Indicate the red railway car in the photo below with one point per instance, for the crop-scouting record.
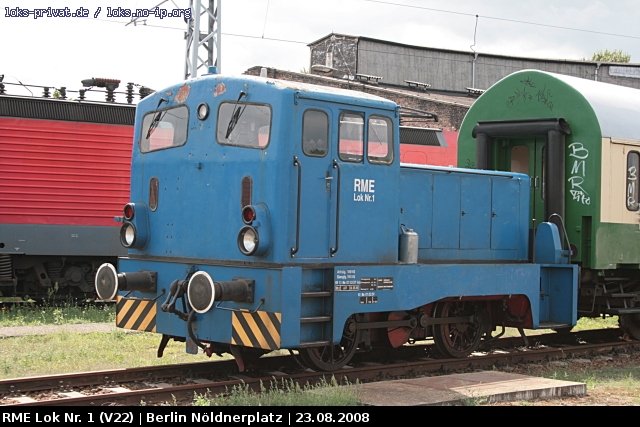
(64, 176)
(426, 146)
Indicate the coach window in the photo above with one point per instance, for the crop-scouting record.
(244, 125)
(520, 159)
(164, 129)
(351, 138)
(632, 193)
(315, 133)
(379, 140)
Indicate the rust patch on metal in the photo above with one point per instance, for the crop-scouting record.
(219, 89)
(183, 93)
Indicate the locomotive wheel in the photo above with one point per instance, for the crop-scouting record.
(333, 357)
(457, 340)
(303, 359)
(630, 323)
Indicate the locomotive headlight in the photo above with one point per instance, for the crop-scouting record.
(201, 292)
(128, 235)
(248, 240)
(203, 111)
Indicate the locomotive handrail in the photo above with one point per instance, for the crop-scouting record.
(142, 299)
(240, 310)
(336, 166)
(296, 164)
(564, 232)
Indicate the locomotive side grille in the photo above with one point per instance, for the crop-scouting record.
(136, 314)
(260, 329)
(247, 190)
(422, 136)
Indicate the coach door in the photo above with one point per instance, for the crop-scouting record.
(313, 176)
(536, 147)
(527, 156)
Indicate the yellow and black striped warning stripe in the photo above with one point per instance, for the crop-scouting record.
(260, 329)
(136, 314)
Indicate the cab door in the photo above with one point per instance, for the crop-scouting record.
(367, 171)
(313, 180)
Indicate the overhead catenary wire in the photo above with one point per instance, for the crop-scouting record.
(496, 18)
(403, 5)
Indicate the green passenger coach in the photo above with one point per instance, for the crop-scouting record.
(579, 140)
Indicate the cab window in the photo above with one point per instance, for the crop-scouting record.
(244, 125)
(164, 129)
(315, 133)
(379, 140)
(351, 137)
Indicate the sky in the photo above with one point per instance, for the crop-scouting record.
(62, 51)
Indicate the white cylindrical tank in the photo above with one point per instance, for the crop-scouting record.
(408, 246)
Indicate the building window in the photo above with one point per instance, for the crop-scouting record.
(315, 133)
(351, 137)
(380, 140)
(633, 164)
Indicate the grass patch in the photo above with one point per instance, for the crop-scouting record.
(70, 313)
(608, 378)
(285, 393)
(586, 323)
(67, 352)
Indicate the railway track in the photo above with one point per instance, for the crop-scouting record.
(177, 384)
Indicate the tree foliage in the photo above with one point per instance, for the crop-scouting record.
(607, 55)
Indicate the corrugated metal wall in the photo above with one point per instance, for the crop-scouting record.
(55, 172)
(396, 63)
(452, 70)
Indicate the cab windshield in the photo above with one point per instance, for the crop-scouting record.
(164, 129)
(244, 125)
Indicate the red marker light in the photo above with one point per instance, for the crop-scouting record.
(248, 214)
(129, 211)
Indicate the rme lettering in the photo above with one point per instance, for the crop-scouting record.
(364, 185)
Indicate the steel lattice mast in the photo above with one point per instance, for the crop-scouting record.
(203, 48)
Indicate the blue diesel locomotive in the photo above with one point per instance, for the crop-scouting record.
(270, 214)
